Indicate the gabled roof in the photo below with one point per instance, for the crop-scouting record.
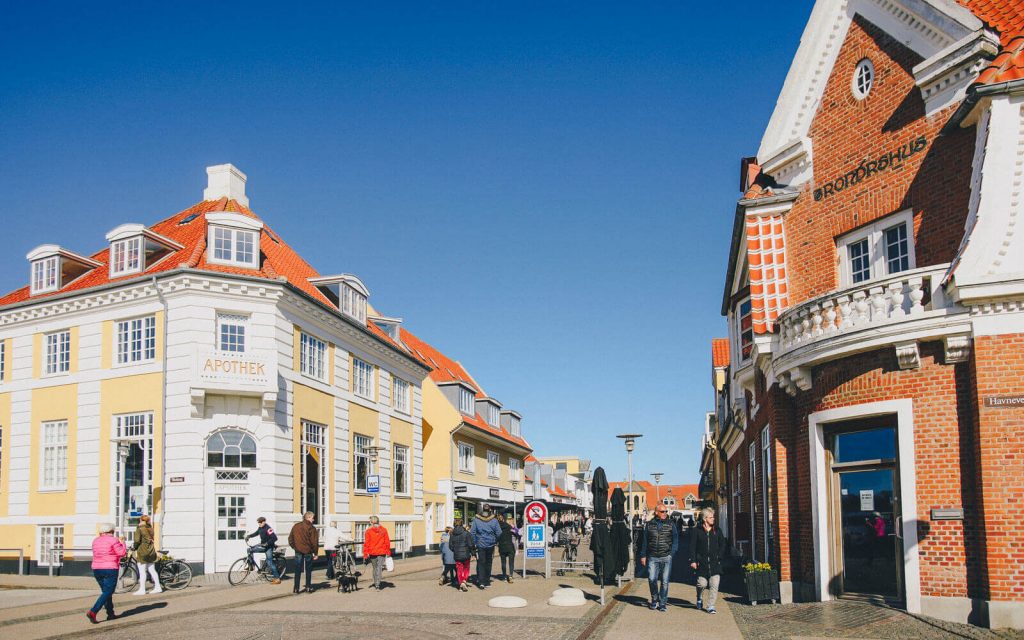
(444, 370)
(720, 352)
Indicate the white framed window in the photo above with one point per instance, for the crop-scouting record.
(400, 394)
(231, 449)
(235, 247)
(313, 357)
(136, 340)
(403, 537)
(465, 457)
(863, 79)
(58, 352)
(126, 256)
(513, 469)
(132, 432)
(353, 303)
(359, 532)
(1, 456)
(231, 331)
(362, 378)
(467, 401)
(493, 469)
(401, 469)
(766, 472)
(313, 470)
(744, 329)
(361, 460)
(3, 358)
(878, 250)
(51, 538)
(492, 415)
(53, 470)
(46, 275)
(439, 517)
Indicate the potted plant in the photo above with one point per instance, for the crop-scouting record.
(762, 582)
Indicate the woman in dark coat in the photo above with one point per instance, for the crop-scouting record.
(461, 544)
(507, 543)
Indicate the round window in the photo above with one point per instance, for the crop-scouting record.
(863, 79)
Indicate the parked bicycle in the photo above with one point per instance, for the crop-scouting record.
(569, 549)
(174, 573)
(248, 568)
(345, 567)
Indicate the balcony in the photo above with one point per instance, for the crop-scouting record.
(900, 311)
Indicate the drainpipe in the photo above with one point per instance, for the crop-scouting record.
(163, 415)
(451, 472)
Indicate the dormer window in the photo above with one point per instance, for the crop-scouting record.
(54, 267)
(490, 409)
(349, 294)
(467, 401)
(126, 256)
(510, 420)
(389, 326)
(134, 248)
(234, 240)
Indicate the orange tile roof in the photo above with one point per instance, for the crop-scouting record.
(445, 370)
(1007, 66)
(1007, 18)
(720, 352)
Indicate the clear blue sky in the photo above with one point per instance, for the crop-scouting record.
(544, 191)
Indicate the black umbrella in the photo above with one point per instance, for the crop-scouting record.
(599, 487)
(618, 558)
(600, 539)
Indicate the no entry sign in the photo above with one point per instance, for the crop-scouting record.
(536, 513)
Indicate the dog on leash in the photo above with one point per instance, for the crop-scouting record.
(349, 582)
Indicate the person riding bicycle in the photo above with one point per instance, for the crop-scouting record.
(268, 542)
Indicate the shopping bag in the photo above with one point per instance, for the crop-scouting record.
(389, 563)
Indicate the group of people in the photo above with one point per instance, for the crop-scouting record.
(486, 533)
(659, 542)
(107, 552)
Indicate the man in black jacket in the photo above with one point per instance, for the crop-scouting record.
(268, 542)
(659, 541)
(707, 548)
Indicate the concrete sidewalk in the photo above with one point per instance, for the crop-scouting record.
(631, 618)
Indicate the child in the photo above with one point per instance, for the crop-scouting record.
(447, 558)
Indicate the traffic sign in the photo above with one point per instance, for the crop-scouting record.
(535, 536)
(536, 513)
(373, 484)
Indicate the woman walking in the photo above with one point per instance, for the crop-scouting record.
(107, 552)
(461, 544)
(447, 559)
(376, 548)
(145, 556)
(507, 543)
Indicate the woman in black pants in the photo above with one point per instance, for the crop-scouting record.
(507, 548)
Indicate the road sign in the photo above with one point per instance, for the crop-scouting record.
(536, 513)
(459, 488)
(534, 553)
(373, 484)
(535, 536)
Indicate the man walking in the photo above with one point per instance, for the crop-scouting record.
(268, 542)
(707, 547)
(305, 539)
(659, 541)
(376, 547)
(486, 532)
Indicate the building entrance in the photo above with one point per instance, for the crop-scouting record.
(866, 512)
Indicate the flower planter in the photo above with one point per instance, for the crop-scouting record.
(762, 586)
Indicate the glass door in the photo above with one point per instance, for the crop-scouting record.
(867, 508)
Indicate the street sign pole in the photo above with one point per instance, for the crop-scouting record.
(536, 519)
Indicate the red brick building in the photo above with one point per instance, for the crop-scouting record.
(873, 417)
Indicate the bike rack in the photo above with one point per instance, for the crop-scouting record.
(21, 558)
(57, 556)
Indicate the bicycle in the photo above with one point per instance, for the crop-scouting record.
(174, 573)
(345, 567)
(569, 548)
(246, 568)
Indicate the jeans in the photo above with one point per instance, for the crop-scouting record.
(107, 578)
(705, 584)
(510, 557)
(271, 565)
(659, 568)
(484, 558)
(303, 559)
(461, 571)
(331, 555)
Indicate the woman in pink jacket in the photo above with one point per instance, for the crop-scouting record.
(107, 552)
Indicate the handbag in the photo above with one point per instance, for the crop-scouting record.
(389, 563)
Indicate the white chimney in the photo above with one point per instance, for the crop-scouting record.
(225, 180)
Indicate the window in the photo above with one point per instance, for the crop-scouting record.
(465, 457)
(492, 415)
(231, 449)
(51, 538)
(401, 466)
(353, 303)
(44, 274)
(126, 256)
(752, 457)
(235, 246)
(136, 340)
(492, 464)
(133, 433)
(467, 401)
(231, 330)
(1, 456)
(360, 533)
(745, 330)
(514, 426)
(313, 357)
(403, 539)
(439, 517)
(400, 394)
(766, 471)
(863, 79)
(313, 469)
(3, 358)
(361, 460)
(877, 250)
(362, 378)
(58, 352)
(513, 469)
(54, 467)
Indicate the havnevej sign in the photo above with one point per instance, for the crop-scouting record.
(1005, 402)
(868, 168)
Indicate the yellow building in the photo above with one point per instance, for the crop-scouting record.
(473, 449)
(200, 370)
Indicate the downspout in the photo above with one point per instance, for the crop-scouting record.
(163, 415)
(451, 472)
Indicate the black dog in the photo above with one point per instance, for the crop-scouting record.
(349, 582)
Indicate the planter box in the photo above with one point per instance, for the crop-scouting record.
(762, 586)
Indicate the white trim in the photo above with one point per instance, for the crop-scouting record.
(904, 411)
(234, 221)
(874, 233)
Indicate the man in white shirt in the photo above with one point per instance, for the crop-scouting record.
(331, 539)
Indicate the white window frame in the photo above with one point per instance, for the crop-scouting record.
(400, 468)
(238, 326)
(230, 241)
(3, 359)
(766, 470)
(403, 533)
(133, 428)
(312, 357)
(1, 458)
(439, 516)
(467, 458)
(359, 445)
(45, 275)
(363, 378)
(53, 455)
(493, 464)
(493, 415)
(513, 469)
(401, 394)
(49, 537)
(515, 428)
(57, 353)
(467, 401)
(874, 233)
(738, 319)
(314, 438)
(358, 533)
(860, 92)
(135, 340)
(126, 256)
(352, 303)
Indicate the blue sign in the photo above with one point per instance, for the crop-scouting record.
(535, 533)
(535, 553)
(373, 484)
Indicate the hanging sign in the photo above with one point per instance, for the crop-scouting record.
(867, 499)
(373, 484)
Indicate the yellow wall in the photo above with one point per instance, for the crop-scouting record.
(53, 403)
(130, 394)
(401, 433)
(365, 422)
(315, 406)
(5, 462)
(439, 418)
(572, 465)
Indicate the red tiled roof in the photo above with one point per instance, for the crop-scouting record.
(1007, 66)
(530, 458)
(720, 352)
(445, 370)
(1006, 17)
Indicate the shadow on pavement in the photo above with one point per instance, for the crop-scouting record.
(143, 608)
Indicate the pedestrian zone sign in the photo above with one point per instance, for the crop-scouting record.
(373, 484)
(535, 553)
(534, 536)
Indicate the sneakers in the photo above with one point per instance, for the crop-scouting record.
(276, 581)
(463, 587)
(92, 617)
(652, 605)
(157, 590)
(112, 616)
(662, 608)
(441, 581)
(712, 611)
(509, 580)
(140, 592)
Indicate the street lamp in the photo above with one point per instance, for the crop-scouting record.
(374, 452)
(123, 449)
(515, 485)
(630, 439)
(657, 485)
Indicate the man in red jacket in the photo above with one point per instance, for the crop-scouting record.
(376, 547)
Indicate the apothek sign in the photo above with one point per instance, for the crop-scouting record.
(232, 370)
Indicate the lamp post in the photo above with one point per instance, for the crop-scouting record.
(123, 448)
(630, 439)
(657, 484)
(374, 452)
(515, 485)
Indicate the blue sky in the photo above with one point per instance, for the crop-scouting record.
(544, 191)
